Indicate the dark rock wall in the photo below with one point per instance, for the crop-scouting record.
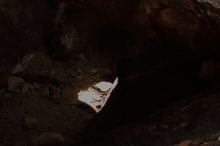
(141, 35)
(26, 24)
(23, 26)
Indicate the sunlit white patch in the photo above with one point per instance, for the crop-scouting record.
(97, 95)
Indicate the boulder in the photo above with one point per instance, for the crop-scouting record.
(14, 83)
(30, 122)
(49, 139)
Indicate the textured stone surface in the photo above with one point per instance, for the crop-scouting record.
(160, 43)
(30, 122)
(215, 3)
(49, 139)
(14, 83)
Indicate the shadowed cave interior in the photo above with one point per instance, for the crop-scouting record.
(164, 52)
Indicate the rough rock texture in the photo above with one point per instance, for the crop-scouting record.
(41, 107)
(49, 139)
(141, 19)
(23, 29)
(189, 122)
(14, 83)
(156, 47)
(30, 122)
(215, 3)
(80, 25)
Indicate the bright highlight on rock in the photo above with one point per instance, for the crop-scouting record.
(97, 95)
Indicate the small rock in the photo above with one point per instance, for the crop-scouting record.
(30, 122)
(45, 92)
(185, 143)
(8, 95)
(14, 83)
(106, 72)
(27, 59)
(183, 125)
(79, 74)
(197, 142)
(21, 66)
(27, 87)
(81, 57)
(93, 71)
(69, 38)
(218, 138)
(17, 69)
(54, 93)
(36, 86)
(49, 139)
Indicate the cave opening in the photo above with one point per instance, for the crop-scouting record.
(162, 55)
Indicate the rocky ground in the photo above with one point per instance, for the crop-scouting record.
(190, 122)
(39, 107)
(39, 102)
